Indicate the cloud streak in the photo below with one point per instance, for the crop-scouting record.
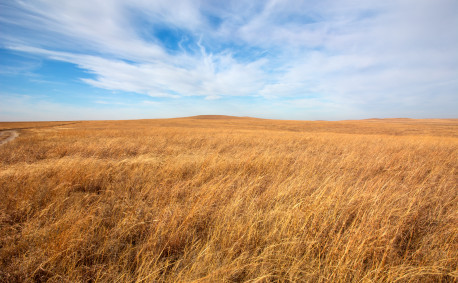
(350, 53)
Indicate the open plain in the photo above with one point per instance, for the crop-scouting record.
(229, 199)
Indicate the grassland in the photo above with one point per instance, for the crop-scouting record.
(221, 199)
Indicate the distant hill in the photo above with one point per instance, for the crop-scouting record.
(213, 117)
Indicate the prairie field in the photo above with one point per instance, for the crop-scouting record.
(229, 199)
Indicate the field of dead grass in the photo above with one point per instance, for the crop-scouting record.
(220, 199)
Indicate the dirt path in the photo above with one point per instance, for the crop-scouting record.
(7, 136)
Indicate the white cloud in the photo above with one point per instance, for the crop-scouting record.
(350, 53)
(214, 75)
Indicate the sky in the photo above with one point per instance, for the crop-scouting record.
(279, 59)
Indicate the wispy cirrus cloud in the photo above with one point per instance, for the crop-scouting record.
(361, 55)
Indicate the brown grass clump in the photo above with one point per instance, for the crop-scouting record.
(231, 200)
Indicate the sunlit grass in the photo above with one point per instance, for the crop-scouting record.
(231, 200)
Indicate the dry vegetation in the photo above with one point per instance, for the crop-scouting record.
(31, 125)
(213, 199)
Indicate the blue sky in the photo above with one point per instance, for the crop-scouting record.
(288, 59)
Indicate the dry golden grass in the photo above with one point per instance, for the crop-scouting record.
(31, 125)
(211, 199)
